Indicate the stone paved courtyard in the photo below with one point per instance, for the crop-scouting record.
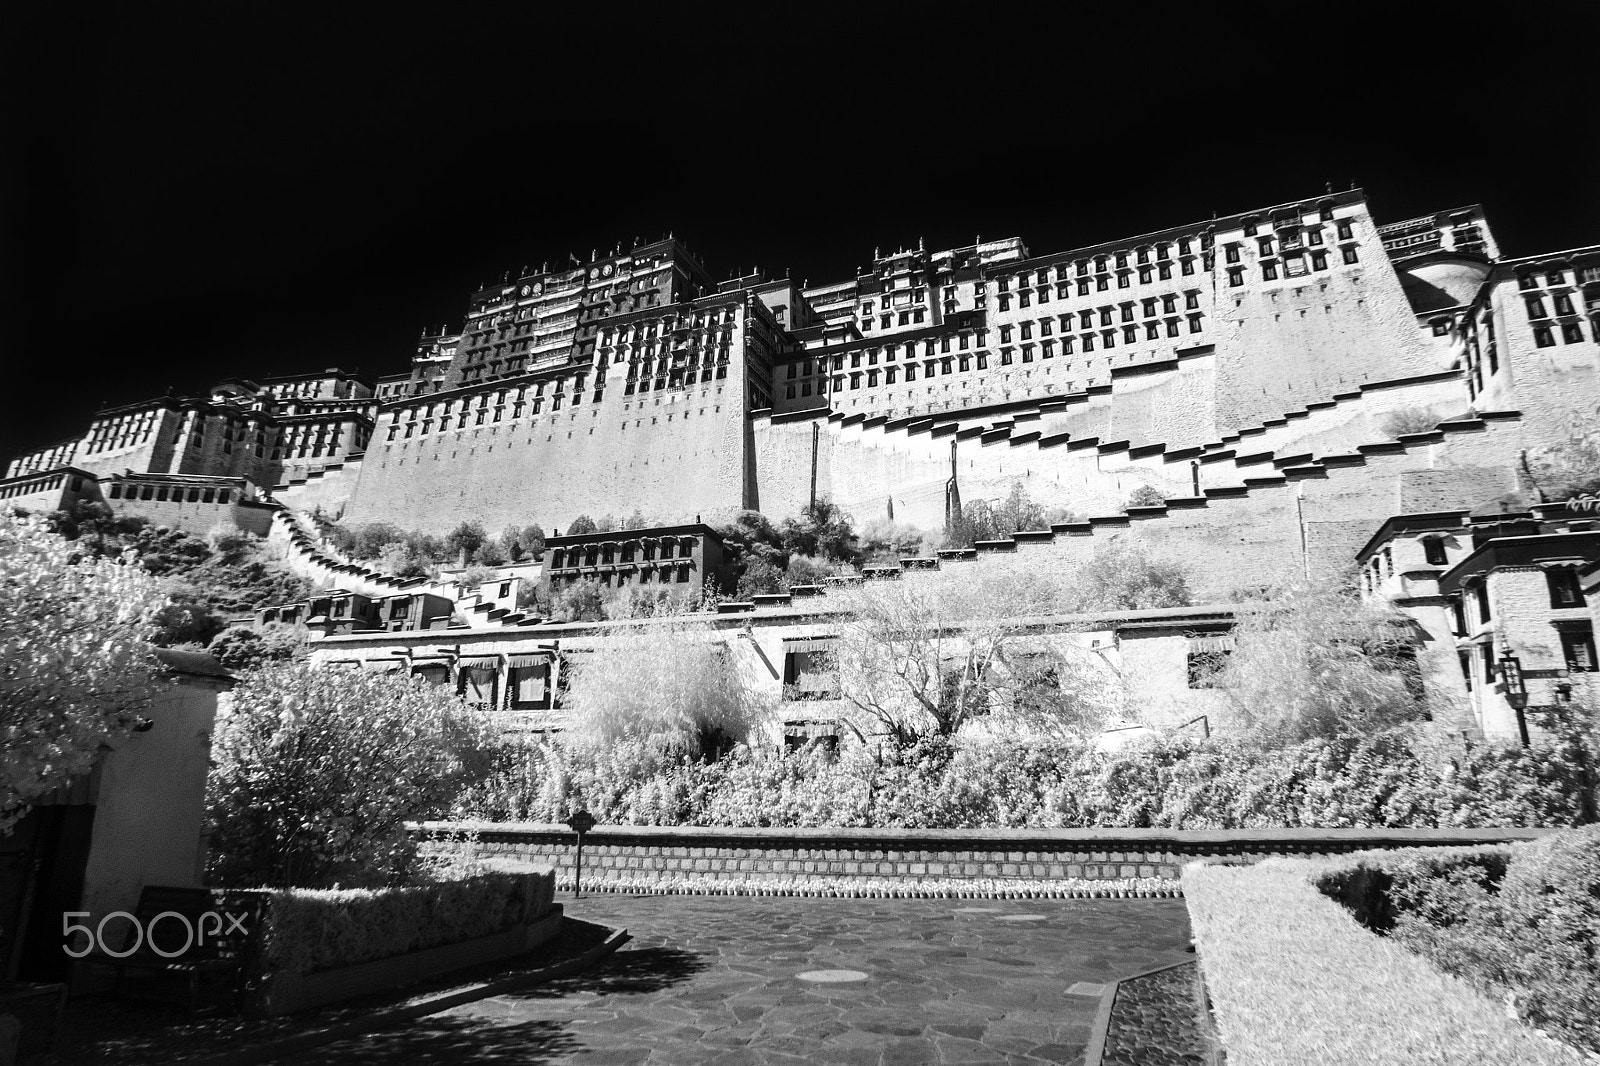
(758, 980)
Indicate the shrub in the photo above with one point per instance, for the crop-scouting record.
(240, 648)
(581, 601)
(1121, 578)
(1409, 420)
(1523, 919)
(75, 667)
(1377, 781)
(309, 930)
(1549, 911)
(672, 685)
(316, 771)
(1293, 978)
(1312, 659)
(1145, 496)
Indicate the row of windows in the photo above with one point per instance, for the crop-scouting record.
(1293, 266)
(1571, 333)
(175, 493)
(1536, 308)
(594, 554)
(1530, 279)
(48, 484)
(1102, 283)
(660, 575)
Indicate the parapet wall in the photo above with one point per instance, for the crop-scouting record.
(635, 856)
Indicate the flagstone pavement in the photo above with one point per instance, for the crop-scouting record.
(724, 980)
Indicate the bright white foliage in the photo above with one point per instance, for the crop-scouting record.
(678, 686)
(317, 770)
(75, 662)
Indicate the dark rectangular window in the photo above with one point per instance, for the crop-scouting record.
(1577, 646)
(1433, 549)
(1204, 667)
(1564, 588)
(1349, 253)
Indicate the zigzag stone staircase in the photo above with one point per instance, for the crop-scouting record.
(307, 553)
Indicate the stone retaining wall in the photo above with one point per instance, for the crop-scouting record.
(667, 854)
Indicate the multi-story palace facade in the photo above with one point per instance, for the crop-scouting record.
(1248, 367)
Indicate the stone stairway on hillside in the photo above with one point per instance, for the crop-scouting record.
(309, 554)
(1276, 478)
(1335, 429)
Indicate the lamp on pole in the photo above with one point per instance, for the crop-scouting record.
(1516, 690)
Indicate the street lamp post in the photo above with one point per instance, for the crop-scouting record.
(1516, 689)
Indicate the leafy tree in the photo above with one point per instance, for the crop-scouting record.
(241, 649)
(532, 541)
(509, 543)
(370, 539)
(75, 664)
(316, 772)
(981, 520)
(636, 520)
(606, 524)
(822, 529)
(807, 570)
(582, 524)
(1312, 660)
(581, 601)
(1145, 496)
(1019, 512)
(1056, 516)
(1122, 578)
(759, 576)
(186, 619)
(403, 560)
(488, 555)
(921, 659)
(750, 540)
(675, 686)
(886, 541)
(465, 540)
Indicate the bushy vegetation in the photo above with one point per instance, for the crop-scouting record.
(1018, 512)
(1393, 779)
(410, 554)
(311, 930)
(1409, 420)
(316, 771)
(673, 686)
(1312, 658)
(75, 665)
(1145, 496)
(206, 579)
(1521, 920)
(762, 555)
(1293, 979)
(1565, 471)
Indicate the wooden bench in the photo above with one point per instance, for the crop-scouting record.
(193, 933)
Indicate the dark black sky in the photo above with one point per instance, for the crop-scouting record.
(191, 194)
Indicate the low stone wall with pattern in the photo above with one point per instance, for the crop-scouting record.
(647, 857)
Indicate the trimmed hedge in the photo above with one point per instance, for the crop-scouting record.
(1294, 978)
(1386, 780)
(1521, 920)
(311, 930)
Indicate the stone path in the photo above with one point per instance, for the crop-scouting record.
(1155, 1021)
(729, 980)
